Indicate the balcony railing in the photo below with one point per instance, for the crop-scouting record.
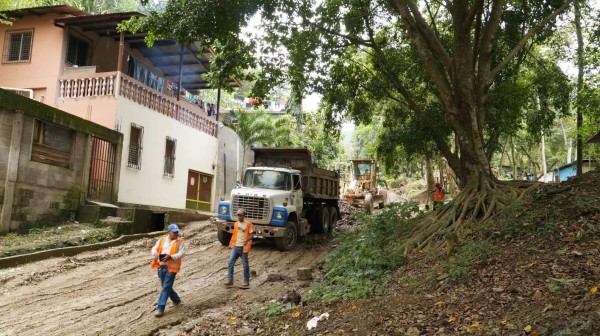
(112, 84)
(90, 85)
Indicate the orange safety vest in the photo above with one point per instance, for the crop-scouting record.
(439, 195)
(173, 266)
(246, 238)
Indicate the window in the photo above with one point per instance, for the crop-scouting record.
(17, 46)
(170, 157)
(52, 144)
(78, 50)
(135, 146)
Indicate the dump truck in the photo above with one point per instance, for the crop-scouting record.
(285, 196)
(361, 189)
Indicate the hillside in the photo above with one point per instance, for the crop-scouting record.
(533, 270)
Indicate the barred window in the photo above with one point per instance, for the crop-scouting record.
(135, 146)
(170, 146)
(78, 50)
(17, 46)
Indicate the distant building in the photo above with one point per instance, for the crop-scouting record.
(562, 173)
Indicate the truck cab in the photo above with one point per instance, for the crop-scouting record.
(273, 201)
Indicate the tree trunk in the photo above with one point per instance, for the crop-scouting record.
(544, 167)
(429, 174)
(580, 65)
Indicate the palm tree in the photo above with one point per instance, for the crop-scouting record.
(251, 128)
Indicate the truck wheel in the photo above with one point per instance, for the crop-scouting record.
(322, 220)
(290, 239)
(224, 237)
(369, 204)
(333, 218)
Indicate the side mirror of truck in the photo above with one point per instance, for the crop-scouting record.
(238, 184)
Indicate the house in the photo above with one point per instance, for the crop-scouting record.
(79, 63)
(570, 169)
(45, 160)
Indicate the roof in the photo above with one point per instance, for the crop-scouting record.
(164, 54)
(39, 11)
(572, 163)
(595, 138)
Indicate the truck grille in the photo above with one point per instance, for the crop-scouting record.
(256, 207)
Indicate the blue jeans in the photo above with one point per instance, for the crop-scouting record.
(237, 252)
(166, 279)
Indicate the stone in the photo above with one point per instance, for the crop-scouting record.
(413, 331)
(304, 274)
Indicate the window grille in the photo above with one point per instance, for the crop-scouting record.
(17, 46)
(78, 49)
(135, 146)
(170, 146)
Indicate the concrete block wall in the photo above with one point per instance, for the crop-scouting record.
(45, 194)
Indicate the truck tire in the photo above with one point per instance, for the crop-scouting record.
(290, 239)
(369, 204)
(322, 220)
(224, 237)
(333, 218)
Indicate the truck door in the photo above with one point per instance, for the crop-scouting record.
(297, 192)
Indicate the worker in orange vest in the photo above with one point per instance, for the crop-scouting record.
(439, 196)
(240, 243)
(168, 252)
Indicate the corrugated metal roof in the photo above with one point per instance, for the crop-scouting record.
(39, 11)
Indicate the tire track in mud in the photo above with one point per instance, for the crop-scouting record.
(112, 291)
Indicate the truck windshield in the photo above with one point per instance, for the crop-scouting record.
(267, 179)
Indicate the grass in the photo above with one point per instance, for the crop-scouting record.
(364, 259)
(46, 238)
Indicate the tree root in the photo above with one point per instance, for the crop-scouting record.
(475, 204)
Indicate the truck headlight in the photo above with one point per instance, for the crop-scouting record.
(223, 210)
(279, 215)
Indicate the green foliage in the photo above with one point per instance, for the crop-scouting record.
(365, 258)
(273, 309)
(458, 266)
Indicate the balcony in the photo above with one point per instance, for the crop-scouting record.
(77, 86)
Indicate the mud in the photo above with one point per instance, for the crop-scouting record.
(113, 292)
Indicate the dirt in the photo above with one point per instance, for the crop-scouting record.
(113, 292)
(539, 276)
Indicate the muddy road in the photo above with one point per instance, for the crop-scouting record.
(113, 292)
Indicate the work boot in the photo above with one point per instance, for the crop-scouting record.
(245, 284)
(159, 313)
(228, 283)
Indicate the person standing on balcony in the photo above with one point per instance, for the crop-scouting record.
(240, 243)
(168, 252)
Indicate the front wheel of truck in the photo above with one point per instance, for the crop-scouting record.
(290, 239)
(224, 237)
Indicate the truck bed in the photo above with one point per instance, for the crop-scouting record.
(316, 182)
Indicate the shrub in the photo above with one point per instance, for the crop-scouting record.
(365, 258)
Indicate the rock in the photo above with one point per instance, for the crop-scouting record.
(304, 273)
(275, 277)
(537, 295)
(292, 297)
(413, 331)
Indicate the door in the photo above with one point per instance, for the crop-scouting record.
(199, 191)
(102, 171)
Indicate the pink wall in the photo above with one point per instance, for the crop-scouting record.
(46, 58)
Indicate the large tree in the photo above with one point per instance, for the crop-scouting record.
(426, 58)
